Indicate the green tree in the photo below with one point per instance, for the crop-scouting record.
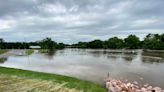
(1, 43)
(95, 44)
(154, 41)
(132, 42)
(1, 40)
(47, 43)
(82, 44)
(105, 45)
(162, 38)
(115, 43)
(60, 46)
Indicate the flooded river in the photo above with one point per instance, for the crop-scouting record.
(94, 65)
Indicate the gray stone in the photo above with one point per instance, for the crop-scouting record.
(143, 89)
(135, 82)
(149, 87)
(146, 85)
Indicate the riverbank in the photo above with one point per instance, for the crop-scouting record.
(23, 80)
(114, 85)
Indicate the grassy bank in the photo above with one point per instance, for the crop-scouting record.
(63, 83)
(3, 51)
(29, 51)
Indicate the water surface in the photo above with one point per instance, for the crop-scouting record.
(94, 65)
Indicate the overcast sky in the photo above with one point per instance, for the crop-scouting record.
(70, 21)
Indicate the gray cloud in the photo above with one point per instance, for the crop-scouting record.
(71, 21)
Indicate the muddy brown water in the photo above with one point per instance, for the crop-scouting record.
(94, 65)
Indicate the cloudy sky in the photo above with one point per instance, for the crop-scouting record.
(71, 21)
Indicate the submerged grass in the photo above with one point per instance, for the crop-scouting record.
(43, 50)
(29, 51)
(3, 51)
(66, 82)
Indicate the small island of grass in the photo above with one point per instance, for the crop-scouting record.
(29, 51)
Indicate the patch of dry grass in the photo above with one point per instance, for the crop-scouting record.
(20, 84)
(17, 80)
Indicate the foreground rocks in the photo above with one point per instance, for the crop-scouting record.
(113, 85)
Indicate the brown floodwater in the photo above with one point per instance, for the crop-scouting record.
(94, 65)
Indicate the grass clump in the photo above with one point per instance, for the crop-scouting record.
(29, 52)
(43, 50)
(3, 51)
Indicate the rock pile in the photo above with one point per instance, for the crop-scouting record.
(113, 85)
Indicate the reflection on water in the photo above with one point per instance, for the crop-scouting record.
(154, 54)
(51, 53)
(94, 65)
(148, 59)
(151, 57)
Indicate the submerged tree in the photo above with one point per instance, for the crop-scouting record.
(47, 43)
(115, 43)
(1, 40)
(132, 42)
(1, 43)
(82, 44)
(95, 44)
(154, 41)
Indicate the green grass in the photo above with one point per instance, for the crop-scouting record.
(19, 84)
(29, 51)
(86, 86)
(3, 51)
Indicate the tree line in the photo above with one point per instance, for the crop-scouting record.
(151, 41)
(46, 43)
